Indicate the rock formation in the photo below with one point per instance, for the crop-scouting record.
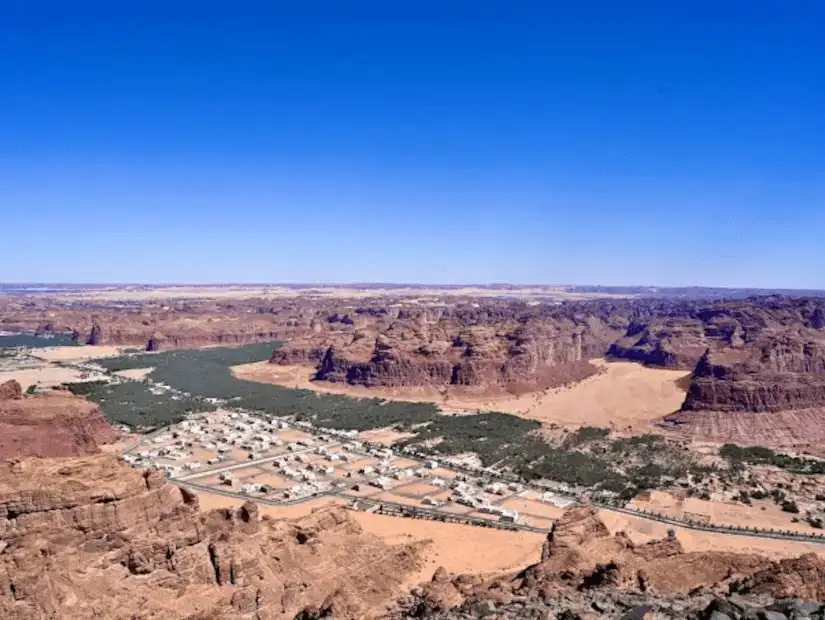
(92, 538)
(585, 572)
(757, 362)
(513, 348)
(54, 423)
(10, 390)
(761, 376)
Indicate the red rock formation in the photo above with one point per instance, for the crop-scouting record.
(10, 390)
(92, 538)
(802, 577)
(533, 352)
(581, 558)
(54, 423)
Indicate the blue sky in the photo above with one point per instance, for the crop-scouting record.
(669, 143)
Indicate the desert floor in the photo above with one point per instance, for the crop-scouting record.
(764, 513)
(46, 375)
(625, 396)
(69, 354)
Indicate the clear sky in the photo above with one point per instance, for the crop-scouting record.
(662, 142)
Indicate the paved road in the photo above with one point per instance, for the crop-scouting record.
(719, 529)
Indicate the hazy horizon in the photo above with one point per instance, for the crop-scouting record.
(458, 143)
(344, 284)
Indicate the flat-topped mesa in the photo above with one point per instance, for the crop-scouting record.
(53, 423)
(91, 537)
(787, 373)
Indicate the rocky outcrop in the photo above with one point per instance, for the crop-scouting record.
(96, 336)
(53, 423)
(585, 572)
(785, 373)
(92, 538)
(515, 352)
(10, 390)
(580, 552)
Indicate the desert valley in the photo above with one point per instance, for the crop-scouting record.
(411, 452)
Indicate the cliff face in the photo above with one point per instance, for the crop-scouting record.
(513, 353)
(55, 423)
(785, 373)
(758, 367)
(92, 538)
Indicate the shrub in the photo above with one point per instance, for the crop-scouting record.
(790, 506)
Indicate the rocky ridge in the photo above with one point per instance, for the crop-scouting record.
(54, 423)
(586, 573)
(756, 363)
(90, 537)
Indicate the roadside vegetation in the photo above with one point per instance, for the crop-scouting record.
(738, 456)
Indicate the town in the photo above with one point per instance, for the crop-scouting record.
(284, 462)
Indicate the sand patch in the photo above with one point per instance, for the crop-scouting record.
(137, 374)
(625, 396)
(68, 354)
(46, 376)
(458, 548)
(386, 436)
(532, 508)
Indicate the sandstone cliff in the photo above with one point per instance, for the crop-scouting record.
(514, 349)
(92, 538)
(55, 423)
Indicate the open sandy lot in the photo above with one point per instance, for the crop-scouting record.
(625, 396)
(385, 436)
(46, 376)
(530, 507)
(138, 374)
(68, 354)
(458, 548)
(418, 489)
